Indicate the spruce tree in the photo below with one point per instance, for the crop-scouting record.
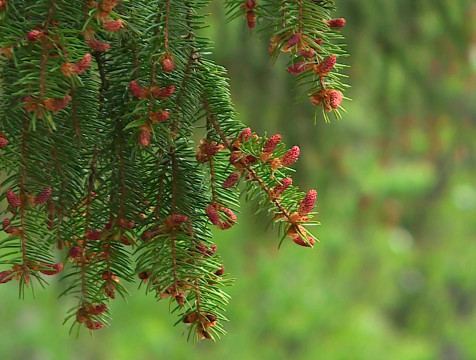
(100, 103)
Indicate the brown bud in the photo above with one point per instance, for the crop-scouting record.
(159, 116)
(163, 92)
(93, 235)
(244, 135)
(35, 35)
(317, 98)
(294, 39)
(190, 318)
(83, 64)
(307, 53)
(295, 217)
(291, 156)
(152, 232)
(76, 251)
(336, 23)
(135, 89)
(212, 250)
(167, 63)
(43, 196)
(220, 271)
(297, 68)
(212, 213)
(271, 143)
(94, 325)
(335, 98)
(211, 318)
(108, 5)
(55, 268)
(229, 218)
(231, 180)
(329, 99)
(30, 103)
(293, 233)
(275, 164)
(7, 51)
(109, 289)
(204, 334)
(144, 275)
(280, 188)
(326, 66)
(175, 220)
(107, 275)
(201, 248)
(251, 19)
(180, 300)
(13, 199)
(3, 142)
(81, 316)
(95, 309)
(13, 231)
(56, 104)
(220, 216)
(97, 45)
(113, 25)
(6, 223)
(306, 205)
(249, 5)
(6, 276)
(144, 136)
(236, 158)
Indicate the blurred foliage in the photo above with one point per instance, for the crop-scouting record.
(394, 274)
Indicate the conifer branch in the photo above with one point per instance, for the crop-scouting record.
(23, 196)
(248, 168)
(121, 89)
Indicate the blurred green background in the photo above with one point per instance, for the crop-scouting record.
(394, 276)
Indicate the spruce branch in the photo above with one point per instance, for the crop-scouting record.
(305, 30)
(245, 160)
(99, 105)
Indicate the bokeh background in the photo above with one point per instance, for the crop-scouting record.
(394, 276)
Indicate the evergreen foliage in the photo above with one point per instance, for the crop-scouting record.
(99, 106)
